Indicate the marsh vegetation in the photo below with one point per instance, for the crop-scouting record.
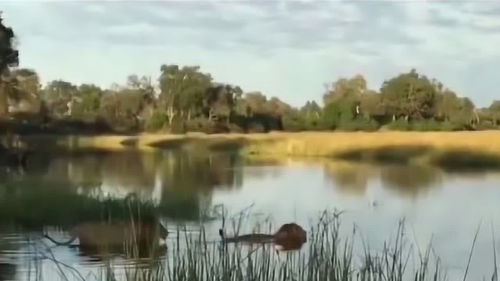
(64, 195)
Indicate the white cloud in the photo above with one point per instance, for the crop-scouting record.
(283, 48)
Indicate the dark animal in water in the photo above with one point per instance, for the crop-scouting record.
(100, 239)
(289, 236)
(13, 158)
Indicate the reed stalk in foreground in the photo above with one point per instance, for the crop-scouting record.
(325, 256)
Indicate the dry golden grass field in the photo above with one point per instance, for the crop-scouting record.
(469, 148)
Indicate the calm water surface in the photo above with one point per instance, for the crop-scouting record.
(444, 207)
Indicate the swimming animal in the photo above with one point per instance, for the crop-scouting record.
(290, 236)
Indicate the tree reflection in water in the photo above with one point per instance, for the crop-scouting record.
(411, 181)
(352, 178)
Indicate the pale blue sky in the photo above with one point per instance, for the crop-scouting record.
(283, 48)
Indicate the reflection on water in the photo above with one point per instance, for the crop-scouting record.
(57, 194)
(410, 180)
(101, 240)
(407, 180)
(142, 173)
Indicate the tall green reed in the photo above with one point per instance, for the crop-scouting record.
(327, 256)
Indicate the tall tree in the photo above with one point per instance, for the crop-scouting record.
(25, 83)
(311, 114)
(451, 108)
(339, 112)
(253, 103)
(311, 108)
(89, 96)
(182, 90)
(410, 95)
(371, 105)
(351, 88)
(220, 101)
(491, 113)
(9, 57)
(127, 107)
(342, 100)
(59, 96)
(28, 81)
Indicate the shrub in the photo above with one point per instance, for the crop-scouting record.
(433, 125)
(338, 112)
(255, 127)
(156, 122)
(399, 125)
(486, 125)
(292, 123)
(201, 125)
(451, 126)
(233, 128)
(314, 124)
(426, 125)
(359, 124)
(177, 127)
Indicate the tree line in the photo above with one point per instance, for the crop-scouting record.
(185, 98)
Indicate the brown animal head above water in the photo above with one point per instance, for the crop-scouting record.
(290, 236)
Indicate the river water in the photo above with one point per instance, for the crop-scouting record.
(443, 207)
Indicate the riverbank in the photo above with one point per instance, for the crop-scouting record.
(460, 149)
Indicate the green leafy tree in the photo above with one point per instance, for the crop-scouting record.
(275, 110)
(128, 108)
(308, 117)
(495, 106)
(338, 112)
(342, 101)
(28, 82)
(294, 121)
(121, 109)
(311, 108)
(311, 114)
(262, 114)
(252, 104)
(490, 116)
(59, 96)
(277, 107)
(459, 111)
(351, 88)
(182, 91)
(22, 89)
(9, 57)
(144, 88)
(89, 100)
(220, 100)
(371, 105)
(409, 95)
